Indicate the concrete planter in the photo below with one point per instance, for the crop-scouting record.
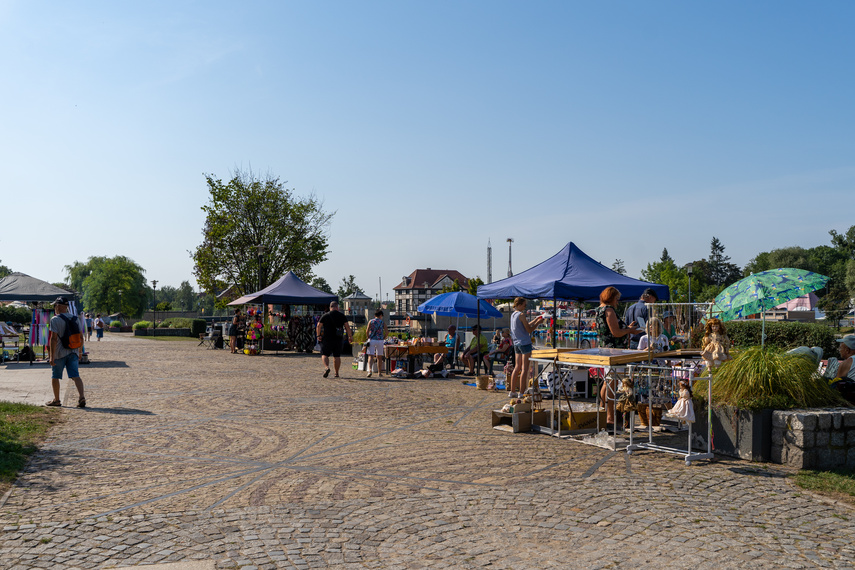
(744, 434)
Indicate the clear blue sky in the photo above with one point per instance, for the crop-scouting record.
(428, 127)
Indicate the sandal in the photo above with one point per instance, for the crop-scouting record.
(81, 403)
(54, 404)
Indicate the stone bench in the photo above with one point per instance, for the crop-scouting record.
(814, 439)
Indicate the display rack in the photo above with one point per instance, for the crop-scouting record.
(657, 386)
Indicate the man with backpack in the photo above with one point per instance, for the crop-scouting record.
(66, 341)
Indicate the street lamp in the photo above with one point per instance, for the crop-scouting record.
(689, 273)
(154, 307)
(260, 252)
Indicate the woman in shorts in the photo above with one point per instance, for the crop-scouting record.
(521, 330)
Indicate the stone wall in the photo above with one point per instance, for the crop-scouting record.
(814, 439)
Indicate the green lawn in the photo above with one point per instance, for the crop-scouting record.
(171, 338)
(839, 484)
(22, 429)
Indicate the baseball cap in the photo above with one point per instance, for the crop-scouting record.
(651, 292)
(848, 340)
(60, 301)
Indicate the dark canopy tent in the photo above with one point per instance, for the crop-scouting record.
(569, 275)
(289, 290)
(22, 287)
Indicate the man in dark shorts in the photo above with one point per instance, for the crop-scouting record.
(332, 330)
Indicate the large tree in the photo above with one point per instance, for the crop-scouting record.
(110, 285)
(347, 286)
(250, 211)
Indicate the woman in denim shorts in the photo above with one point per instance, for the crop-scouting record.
(521, 330)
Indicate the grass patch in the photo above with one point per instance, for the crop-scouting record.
(170, 338)
(839, 484)
(22, 429)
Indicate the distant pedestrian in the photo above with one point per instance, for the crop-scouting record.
(88, 326)
(99, 327)
(61, 357)
(376, 331)
(332, 329)
(233, 331)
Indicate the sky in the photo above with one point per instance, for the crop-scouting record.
(430, 129)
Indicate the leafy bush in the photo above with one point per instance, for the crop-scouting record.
(197, 327)
(116, 324)
(142, 325)
(361, 335)
(178, 323)
(779, 334)
(16, 315)
(767, 377)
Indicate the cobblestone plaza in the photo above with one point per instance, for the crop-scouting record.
(187, 454)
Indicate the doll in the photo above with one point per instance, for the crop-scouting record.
(626, 400)
(716, 343)
(684, 409)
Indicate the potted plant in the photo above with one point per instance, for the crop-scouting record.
(745, 391)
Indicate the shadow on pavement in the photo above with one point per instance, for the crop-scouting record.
(759, 472)
(120, 411)
(108, 364)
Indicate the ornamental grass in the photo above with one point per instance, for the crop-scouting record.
(764, 377)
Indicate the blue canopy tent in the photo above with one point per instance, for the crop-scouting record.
(288, 290)
(569, 275)
(457, 304)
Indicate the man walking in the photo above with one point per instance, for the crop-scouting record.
(638, 313)
(62, 357)
(332, 329)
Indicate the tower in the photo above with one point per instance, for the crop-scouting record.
(489, 262)
(510, 271)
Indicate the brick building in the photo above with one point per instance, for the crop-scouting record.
(422, 284)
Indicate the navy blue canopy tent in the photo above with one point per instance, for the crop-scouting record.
(288, 290)
(569, 275)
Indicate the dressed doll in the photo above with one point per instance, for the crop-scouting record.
(626, 400)
(684, 409)
(716, 343)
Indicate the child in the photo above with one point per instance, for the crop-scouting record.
(659, 342)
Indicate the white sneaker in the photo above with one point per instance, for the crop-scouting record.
(369, 374)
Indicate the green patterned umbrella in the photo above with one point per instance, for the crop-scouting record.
(761, 291)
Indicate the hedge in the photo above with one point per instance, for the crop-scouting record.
(197, 327)
(779, 334)
(142, 325)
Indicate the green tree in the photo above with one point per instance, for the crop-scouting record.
(4, 271)
(347, 286)
(722, 272)
(844, 242)
(455, 286)
(110, 285)
(164, 306)
(321, 283)
(247, 212)
(474, 283)
(186, 298)
(618, 267)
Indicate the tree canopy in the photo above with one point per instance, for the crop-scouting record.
(110, 285)
(249, 211)
(347, 286)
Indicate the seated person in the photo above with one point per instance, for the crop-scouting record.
(478, 348)
(845, 367)
(669, 325)
(450, 343)
(503, 348)
(655, 340)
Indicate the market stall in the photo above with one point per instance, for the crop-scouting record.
(297, 326)
(37, 294)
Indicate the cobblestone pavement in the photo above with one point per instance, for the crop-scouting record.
(258, 462)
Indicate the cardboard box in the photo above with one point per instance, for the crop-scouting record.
(518, 421)
(578, 421)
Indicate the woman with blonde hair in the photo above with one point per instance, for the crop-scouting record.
(521, 330)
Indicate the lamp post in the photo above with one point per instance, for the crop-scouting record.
(260, 252)
(689, 273)
(154, 307)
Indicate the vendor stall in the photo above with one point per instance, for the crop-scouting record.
(298, 328)
(411, 354)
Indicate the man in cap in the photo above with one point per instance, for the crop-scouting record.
(638, 313)
(62, 358)
(845, 367)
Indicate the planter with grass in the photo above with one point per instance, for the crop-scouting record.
(751, 391)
